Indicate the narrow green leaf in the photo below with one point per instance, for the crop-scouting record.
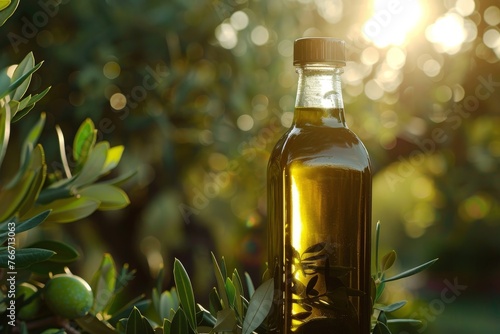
(231, 291)
(381, 328)
(239, 293)
(110, 197)
(403, 321)
(84, 140)
(83, 145)
(24, 67)
(214, 303)
(168, 301)
(220, 283)
(23, 103)
(138, 324)
(103, 284)
(112, 159)
(121, 179)
(166, 326)
(258, 307)
(19, 81)
(48, 195)
(410, 272)
(382, 317)
(24, 225)
(124, 312)
(28, 103)
(180, 323)
(7, 12)
(223, 268)
(388, 260)
(226, 321)
(24, 257)
(392, 307)
(93, 166)
(204, 317)
(68, 209)
(134, 322)
(63, 253)
(4, 4)
(380, 290)
(250, 286)
(185, 292)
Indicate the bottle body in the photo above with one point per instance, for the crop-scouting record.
(319, 193)
(319, 216)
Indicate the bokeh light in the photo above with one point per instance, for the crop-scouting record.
(392, 21)
(118, 101)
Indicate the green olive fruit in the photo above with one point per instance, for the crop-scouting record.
(68, 296)
(28, 311)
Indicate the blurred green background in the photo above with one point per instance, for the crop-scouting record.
(199, 91)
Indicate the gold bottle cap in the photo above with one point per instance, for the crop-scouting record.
(322, 50)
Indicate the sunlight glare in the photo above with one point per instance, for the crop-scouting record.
(447, 33)
(392, 21)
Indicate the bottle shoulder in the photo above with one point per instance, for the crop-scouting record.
(320, 146)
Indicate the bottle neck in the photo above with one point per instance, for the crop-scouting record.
(319, 96)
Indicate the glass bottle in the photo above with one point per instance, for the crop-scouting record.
(319, 206)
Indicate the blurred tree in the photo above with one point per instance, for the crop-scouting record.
(199, 91)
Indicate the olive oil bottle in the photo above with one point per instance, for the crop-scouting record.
(319, 206)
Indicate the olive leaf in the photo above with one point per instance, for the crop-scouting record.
(392, 307)
(226, 321)
(7, 11)
(24, 257)
(24, 225)
(214, 302)
(410, 272)
(109, 197)
(168, 301)
(239, 293)
(388, 260)
(28, 103)
(220, 283)
(259, 306)
(185, 293)
(83, 142)
(250, 286)
(15, 83)
(24, 67)
(4, 4)
(180, 323)
(68, 210)
(138, 324)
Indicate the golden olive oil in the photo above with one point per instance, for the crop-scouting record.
(319, 209)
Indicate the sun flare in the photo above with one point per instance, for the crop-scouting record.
(392, 21)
